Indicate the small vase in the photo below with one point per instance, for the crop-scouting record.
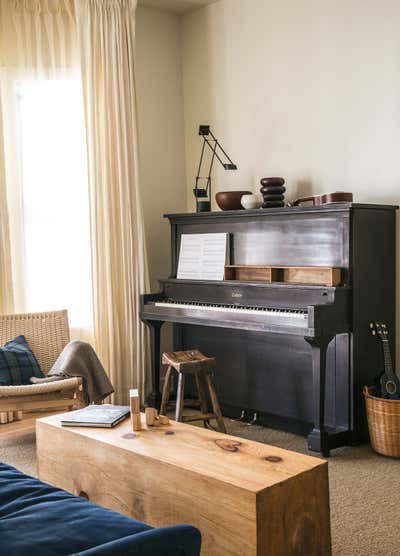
(250, 202)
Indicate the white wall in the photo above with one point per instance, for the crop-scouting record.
(308, 90)
(159, 100)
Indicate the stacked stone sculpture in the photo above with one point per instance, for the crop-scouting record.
(272, 190)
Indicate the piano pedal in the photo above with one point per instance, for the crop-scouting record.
(242, 417)
(255, 420)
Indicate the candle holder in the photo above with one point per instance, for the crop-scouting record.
(272, 190)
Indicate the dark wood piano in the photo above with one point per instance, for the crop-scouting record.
(298, 355)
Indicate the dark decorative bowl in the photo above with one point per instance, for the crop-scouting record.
(230, 200)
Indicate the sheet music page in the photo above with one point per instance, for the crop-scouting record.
(202, 256)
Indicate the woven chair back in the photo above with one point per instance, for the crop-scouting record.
(46, 333)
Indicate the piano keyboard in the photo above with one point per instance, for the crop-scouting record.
(240, 310)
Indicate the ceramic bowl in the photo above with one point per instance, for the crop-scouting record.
(230, 200)
(252, 201)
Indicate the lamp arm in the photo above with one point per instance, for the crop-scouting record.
(214, 154)
(217, 144)
(201, 161)
(220, 146)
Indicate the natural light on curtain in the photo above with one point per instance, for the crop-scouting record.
(49, 50)
(44, 138)
(55, 199)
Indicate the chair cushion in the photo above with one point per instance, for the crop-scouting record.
(18, 363)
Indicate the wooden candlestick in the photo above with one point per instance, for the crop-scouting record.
(136, 422)
(272, 189)
(135, 409)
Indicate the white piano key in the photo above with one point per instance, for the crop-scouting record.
(235, 309)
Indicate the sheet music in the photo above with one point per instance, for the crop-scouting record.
(202, 256)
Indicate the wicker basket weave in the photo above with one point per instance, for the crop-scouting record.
(383, 423)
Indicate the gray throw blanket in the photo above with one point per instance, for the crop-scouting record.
(79, 359)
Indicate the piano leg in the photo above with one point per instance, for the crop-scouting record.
(318, 439)
(154, 398)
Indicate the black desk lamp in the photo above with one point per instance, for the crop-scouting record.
(203, 194)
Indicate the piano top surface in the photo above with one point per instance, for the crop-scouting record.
(331, 207)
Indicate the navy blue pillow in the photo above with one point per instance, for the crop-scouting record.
(18, 363)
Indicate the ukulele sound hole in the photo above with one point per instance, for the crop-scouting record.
(390, 387)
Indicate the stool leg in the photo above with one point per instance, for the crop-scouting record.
(180, 394)
(166, 390)
(202, 397)
(215, 403)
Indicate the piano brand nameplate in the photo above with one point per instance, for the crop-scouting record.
(202, 256)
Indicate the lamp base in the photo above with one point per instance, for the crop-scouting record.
(203, 206)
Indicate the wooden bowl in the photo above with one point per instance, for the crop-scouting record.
(230, 200)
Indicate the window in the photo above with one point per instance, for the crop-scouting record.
(55, 230)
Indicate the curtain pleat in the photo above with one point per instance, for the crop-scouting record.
(6, 283)
(119, 266)
(39, 37)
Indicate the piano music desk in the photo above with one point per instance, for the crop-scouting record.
(247, 498)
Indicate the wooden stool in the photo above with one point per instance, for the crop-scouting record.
(195, 363)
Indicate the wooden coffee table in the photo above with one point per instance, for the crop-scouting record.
(247, 498)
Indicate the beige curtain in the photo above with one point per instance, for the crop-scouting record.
(38, 52)
(6, 288)
(106, 30)
(95, 37)
(38, 37)
(35, 41)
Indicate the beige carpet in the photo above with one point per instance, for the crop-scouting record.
(365, 487)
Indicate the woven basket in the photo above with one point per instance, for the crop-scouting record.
(383, 423)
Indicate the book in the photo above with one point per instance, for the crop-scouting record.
(105, 416)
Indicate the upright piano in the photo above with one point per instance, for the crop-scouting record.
(297, 355)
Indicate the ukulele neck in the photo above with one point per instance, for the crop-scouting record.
(387, 357)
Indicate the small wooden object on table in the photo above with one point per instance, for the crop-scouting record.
(151, 416)
(153, 419)
(135, 409)
(192, 362)
(246, 498)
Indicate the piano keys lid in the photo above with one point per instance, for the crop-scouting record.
(271, 295)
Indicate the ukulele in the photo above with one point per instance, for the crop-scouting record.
(326, 198)
(387, 384)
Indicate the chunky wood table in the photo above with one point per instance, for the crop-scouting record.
(247, 498)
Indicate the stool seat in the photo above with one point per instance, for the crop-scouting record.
(200, 366)
(187, 361)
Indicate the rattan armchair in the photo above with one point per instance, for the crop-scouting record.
(47, 335)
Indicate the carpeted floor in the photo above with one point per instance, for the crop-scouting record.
(365, 507)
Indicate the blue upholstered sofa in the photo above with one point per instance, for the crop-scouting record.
(39, 520)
